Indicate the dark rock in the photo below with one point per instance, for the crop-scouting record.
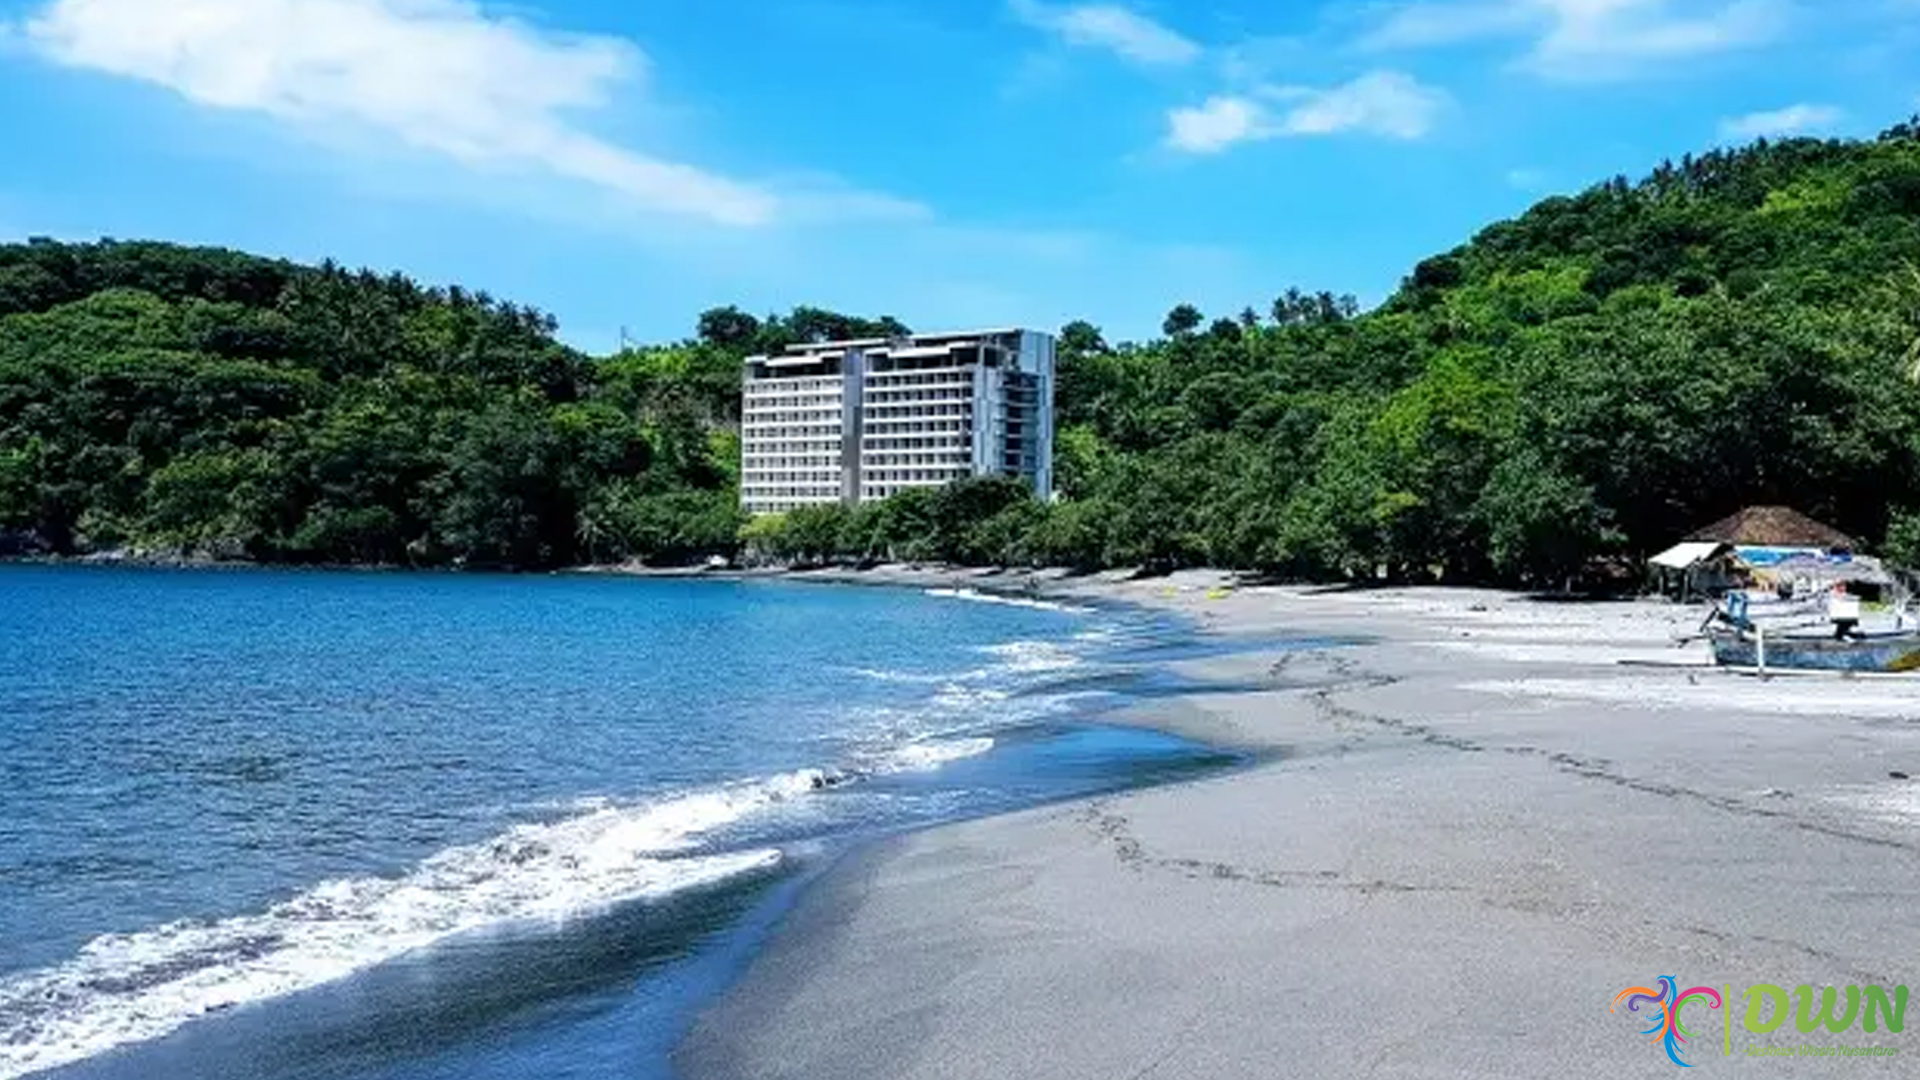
(22, 543)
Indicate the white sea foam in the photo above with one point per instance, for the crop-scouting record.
(1034, 656)
(911, 677)
(1011, 659)
(957, 711)
(957, 697)
(980, 701)
(977, 597)
(920, 756)
(570, 806)
(125, 988)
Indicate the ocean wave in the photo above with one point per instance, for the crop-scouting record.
(126, 988)
(977, 597)
(911, 677)
(931, 755)
(1026, 657)
(958, 697)
(959, 709)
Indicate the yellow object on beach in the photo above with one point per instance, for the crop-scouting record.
(1219, 593)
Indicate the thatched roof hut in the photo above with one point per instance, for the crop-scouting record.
(1774, 527)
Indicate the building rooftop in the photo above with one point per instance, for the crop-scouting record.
(1774, 526)
(948, 338)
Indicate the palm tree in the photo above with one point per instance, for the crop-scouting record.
(590, 529)
(1906, 292)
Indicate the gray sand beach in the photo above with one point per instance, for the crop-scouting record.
(1472, 833)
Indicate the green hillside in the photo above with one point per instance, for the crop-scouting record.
(213, 402)
(1598, 376)
(1589, 380)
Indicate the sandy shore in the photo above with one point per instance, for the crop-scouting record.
(1480, 827)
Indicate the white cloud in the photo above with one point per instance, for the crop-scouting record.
(1607, 37)
(1217, 124)
(1792, 120)
(1381, 103)
(1588, 39)
(441, 76)
(1109, 26)
(1385, 103)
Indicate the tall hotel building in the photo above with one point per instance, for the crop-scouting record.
(855, 421)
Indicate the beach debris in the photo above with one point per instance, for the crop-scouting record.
(1898, 775)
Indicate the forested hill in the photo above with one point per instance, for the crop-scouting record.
(212, 402)
(1600, 376)
(1592, 379)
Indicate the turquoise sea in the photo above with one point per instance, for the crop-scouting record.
(275, 824)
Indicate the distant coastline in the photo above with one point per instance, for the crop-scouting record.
(1012, 581)
(1552, 400)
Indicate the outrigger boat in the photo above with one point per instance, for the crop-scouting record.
(1835, 643)
(1890, 651)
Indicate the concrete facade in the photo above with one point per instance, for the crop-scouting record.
(858, 421)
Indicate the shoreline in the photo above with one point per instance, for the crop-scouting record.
(992, 668)
(997, 580)
(1466, 834)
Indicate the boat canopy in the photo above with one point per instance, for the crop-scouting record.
(1762, 556)
(1823, 570)
(1690, 554)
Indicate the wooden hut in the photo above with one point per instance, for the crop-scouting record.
(1779, 549)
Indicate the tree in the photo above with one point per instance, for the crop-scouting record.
(1224, 330)
(1289, 308)
(1905, 287)
(1439, 272)
(1903, 539)
(812, 533)
(1183, 320)
(1542, 526)
(1081, 338)
(729, 328)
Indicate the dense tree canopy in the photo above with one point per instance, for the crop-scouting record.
(212, 402)
(1593, 378)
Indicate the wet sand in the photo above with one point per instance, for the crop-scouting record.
(1475, 830)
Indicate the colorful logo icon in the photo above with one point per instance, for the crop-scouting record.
(1664, 1007)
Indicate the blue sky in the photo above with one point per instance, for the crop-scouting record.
(949, 162)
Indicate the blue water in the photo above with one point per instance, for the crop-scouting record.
(261, 824)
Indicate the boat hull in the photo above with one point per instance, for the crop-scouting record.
(1886, 653)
